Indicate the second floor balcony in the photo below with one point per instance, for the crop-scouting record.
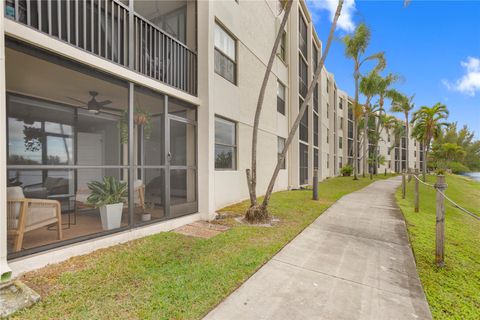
(154, 38)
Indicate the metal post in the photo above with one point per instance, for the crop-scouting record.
(409, 174)
(404, 185)
(385, 172)
(315, 184)
(417, 192)
(440, 222)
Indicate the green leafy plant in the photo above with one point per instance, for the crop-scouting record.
(108, 191)
(346, 170)
(140, 117)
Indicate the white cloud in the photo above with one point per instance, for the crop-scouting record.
(469, 83)
(345, 21)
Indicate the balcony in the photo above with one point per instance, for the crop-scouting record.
(112, 29)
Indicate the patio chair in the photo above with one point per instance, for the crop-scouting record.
(26, 214)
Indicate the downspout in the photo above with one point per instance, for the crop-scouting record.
(5, 271)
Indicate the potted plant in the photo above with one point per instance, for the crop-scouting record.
(140, 118)
(108, 196)
(346, 170)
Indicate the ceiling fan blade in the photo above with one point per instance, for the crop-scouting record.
(76, 100)
(104, 103)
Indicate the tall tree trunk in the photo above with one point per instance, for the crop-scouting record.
(252, 175)
(426, 150)
(407, 130)
(355, 127)
(400, 165)
(365, 143)
(295, 125)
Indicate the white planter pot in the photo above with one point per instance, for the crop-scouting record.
(111, 216)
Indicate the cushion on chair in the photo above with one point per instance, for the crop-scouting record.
(56, 185)
(37, 214)
(15, 193)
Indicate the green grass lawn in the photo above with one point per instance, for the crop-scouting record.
(171, 276)
(453, 292)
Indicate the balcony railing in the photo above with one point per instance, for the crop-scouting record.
(105, 28)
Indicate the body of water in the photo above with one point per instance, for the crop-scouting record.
(473, 175)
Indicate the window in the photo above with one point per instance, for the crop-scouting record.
(340, 142)
(328, 84)
(302, 77)
(328, 161)
(328, 133)
(341, 123)
(328, 107)
(225, 54)
(315, 98)
(304, 126)
(280, 98)
(340, 162)
(303, 164)
(280, 146)
(315, 58)
(315, 130)
(415, 153)
(225, 144)
(302, 35)
(388, 137)
(282, 48)
(341, 104)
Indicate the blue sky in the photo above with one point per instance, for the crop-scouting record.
(433, 45)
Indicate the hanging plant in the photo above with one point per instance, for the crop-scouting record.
(33, 138)
(140, 118)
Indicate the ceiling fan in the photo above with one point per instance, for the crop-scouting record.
(93, 105)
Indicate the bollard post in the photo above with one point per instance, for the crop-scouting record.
(404, 185)
(315, 184)
(417, 192)
(409, 174)
(385, 172)
(440, 222)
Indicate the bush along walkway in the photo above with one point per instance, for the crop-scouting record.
(172, 276)
(353, 262)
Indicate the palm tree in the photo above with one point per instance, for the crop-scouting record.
(302, 110)
(369, 88)
(427, 125)
(252, 215)
(384, 91)
(355, 46)
(398, 129)
(403, 104)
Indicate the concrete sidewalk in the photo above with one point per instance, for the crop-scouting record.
(353, 262)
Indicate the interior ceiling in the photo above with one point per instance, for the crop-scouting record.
(151, 9)
(31, 76)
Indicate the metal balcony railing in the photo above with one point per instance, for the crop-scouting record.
(111, 30)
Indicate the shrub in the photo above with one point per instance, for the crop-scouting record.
(346, 170)
(457, 167)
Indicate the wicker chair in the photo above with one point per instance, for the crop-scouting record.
(25, 214)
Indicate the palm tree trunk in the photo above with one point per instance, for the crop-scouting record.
(296, 123)
(424, 169)
(407, 130)
(400, 164)
(355, 129)
(365, 143)
(252, 175)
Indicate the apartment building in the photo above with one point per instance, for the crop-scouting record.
(159, 95)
